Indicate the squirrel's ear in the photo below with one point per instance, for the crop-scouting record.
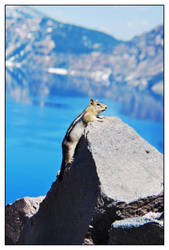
(91, 101)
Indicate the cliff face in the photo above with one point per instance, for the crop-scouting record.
(116, 176)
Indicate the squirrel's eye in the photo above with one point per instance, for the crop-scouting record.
(98, 104)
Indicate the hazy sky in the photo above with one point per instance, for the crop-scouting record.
(123, 22)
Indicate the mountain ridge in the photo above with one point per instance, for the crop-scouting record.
(45, 57)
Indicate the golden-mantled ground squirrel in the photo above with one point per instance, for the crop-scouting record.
(76, 130)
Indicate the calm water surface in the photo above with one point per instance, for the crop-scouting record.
(33, 141)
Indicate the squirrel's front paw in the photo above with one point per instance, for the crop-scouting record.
(100, 119)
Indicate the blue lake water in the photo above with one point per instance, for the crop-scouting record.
(33, 141)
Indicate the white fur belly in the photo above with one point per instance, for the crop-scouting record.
(77, 131)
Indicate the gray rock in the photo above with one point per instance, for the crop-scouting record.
(115, 175)
(64, 215)
(17, 216)
(128, 167)
(130, 172)
(145, 230)
(111, 211)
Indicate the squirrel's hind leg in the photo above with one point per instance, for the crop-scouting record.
(67, 159)
(70, 153)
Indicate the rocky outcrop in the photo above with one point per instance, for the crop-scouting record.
(116, 179)
(130, 171)
(141, 230)
(17, 216)
(112, 213)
